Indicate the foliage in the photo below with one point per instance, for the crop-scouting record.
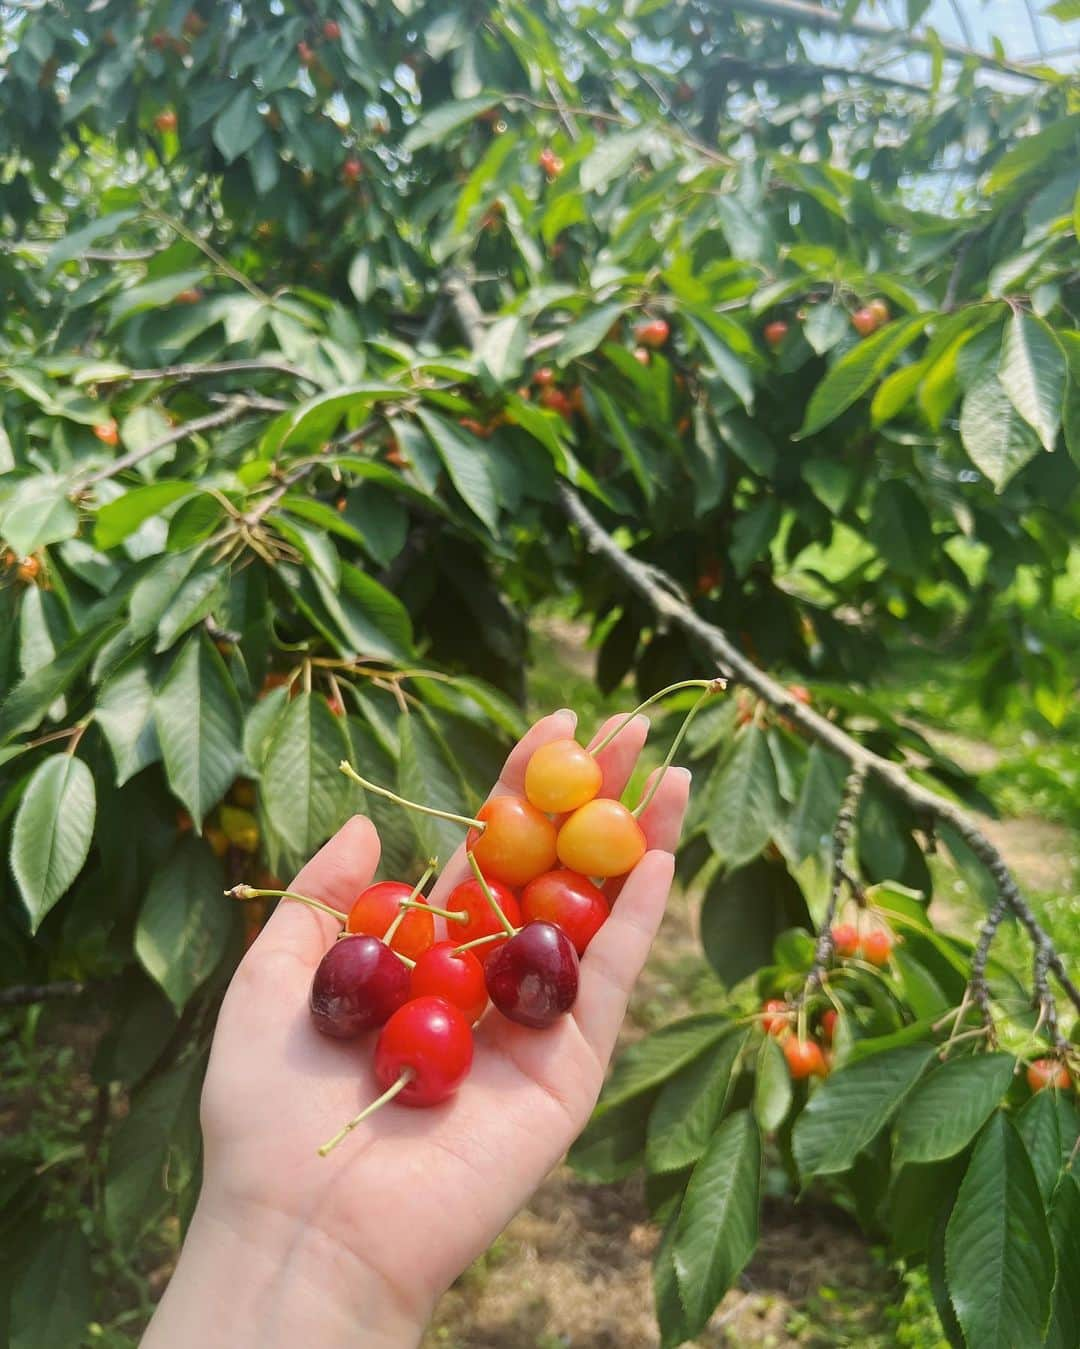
(277, 507)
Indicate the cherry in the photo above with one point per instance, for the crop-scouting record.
(601, 838)
(477, 428)
(107, 432)
(357, 986)
(518, 842)
(352, 170)
(865, 321)
(190, 296)
(829, 1018)
(454, 975)
(800, 693)
(335, 705)
(845, 939)
(545, 375)
(305, 53)
(561, 776)
(653, 332)
(430, 1040)
(331, 30)
(642, 355)
(775, 332)
(570, 901)
(375, 908)
(804, 1058)
(777, 1018)
(28, 570)
(533, 978)
(880, 311)
(550, 162)
(1043, 1073)
(556, 400)
(468, 898)
(166, 121)
(876, 946)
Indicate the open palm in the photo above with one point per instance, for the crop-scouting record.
(413, 1196)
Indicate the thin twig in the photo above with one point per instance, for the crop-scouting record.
(194, 371)
(25, 995)
(233, 410)
(841, 838)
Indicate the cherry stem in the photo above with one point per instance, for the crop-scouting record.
(467, 820)
(387, 1096)
(643, 805)
(709, 685)
(451, 915)
(399, 917)
(249, 892)
(485, 941)
(495, 908)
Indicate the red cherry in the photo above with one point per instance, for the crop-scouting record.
(469, 898)
(357, 985)
(876, 946)
(845, 939)
(550, 162)
(804, 1058)
(108, 433)
(557, 401)
(456, 976)
(653, 332)
(865, 321)
(429, 1038)
(166, 121)
(1043, 1073)
(190, 296)
(518, 843)
(305, 53)
(331, 30)
(829, 1018)
(561, 776)
(570, 901)
(375, 908)
(545, 375)
(533, 978)
(352, 170)
(601, 838)
(775, 332)
(777, 1018)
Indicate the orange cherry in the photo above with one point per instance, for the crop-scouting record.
(880, 311)
(1043, 1073)
(601, 838)
(166, 121)
(877, 946)
(804, 1058)
(775, 332)
(653, 333)
(865, 321)
(845, 939)
(376, 907)
(777, 1017)
(108, 433)
(561, 776)
(829, 1018)
(518, 842)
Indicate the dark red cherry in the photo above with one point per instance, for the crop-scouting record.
(357, 986)
(570, 901)
(430, 1039)
(533, 978)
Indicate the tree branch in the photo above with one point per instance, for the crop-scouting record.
(230, 413)
(195, 371)
(25, 995)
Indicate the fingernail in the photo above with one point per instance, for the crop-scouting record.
(688, 777)
(567, 712)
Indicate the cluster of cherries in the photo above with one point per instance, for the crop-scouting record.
(515, 929)
(867, 319)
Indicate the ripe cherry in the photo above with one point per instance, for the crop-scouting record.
(457, 976)
(653, 332)
(335, 705)
(775, 332)
(305, 53)
(880, 311)
(1043, 1073)
(829, 1018)
(166, 121)
(331, 30)
(601, 838)
(429, 1039)
(375, 908)
(804, 1058)
(357, 986)
(777, 1017)
(352, 170)
(642, 355)
(28, 570)
(556, 400)
(570, 901)
(533, 978)
(865, 321)
(517, 844)
(876, 946)
(190, 296)
(545, 375)
(561, 776)
(108, 433)
(468, 898)
(800, 693)
(550, 162)
(845, 939)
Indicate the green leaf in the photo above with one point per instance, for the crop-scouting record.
(466, 462)
(949, 1107)
(53, 828)
(854, 374)
(125, 714)
(998, 1257)
(670, 1312)
(32, 697)
(76, 243)
(117, 519)
(690, 1104)
(1048, 1126)
(743, 914)
(850, 1108)
(718, 1222)
(152, 294)
(808, 830)
(201, 594)
(1064, 1328)
(772, 1086)
(997, 440)
(613, 155)
(372, 620)
(502, 349)
(197, 714)
(744, 800)
(825, 326)
(1032, 372)
(428, 774)
(444, 118)
(612, 1144)
(37, 513)
(649, 1062)
(184, 922)
(304, 793)
(731, 369)
(154, 590)
(900, 527)
(52, 1300)
(585, 334)
(315, 420)
(238, 128)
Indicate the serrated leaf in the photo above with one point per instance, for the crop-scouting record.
(614, 153)
(854, 374)
(400, 846)
(315, 420)
(1064, 1329)
(612, 1144)
(239, 126)
(670, 1312)
(949, 1106)
(901, 529)
(808, 829)
(121, 517)
(201, 593)
(184, 922)
(689, 1106)
(825, 326)
(53, 829)
(999, 1260)
(125, 713)
(467, 465)
(259, 724)
(649, 1062)
(730, 367)
(718, 1222)
(372, 620)
(744, 800)
(32, 697)
(38, 512)
(428, 774)
(743, 914)
(152, 593)
(997, 439)
(444, 118)
(1048, 1127)
(586, 333)
(304, 793)
(197, 715)
(1032, 372)
(52, 1300)
(851, 1107)
(772, 1086)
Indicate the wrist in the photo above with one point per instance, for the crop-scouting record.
(272, 1280)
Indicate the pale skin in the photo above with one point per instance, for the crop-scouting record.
(354, 1249)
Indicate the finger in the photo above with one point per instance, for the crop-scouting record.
(617, 760)
(618, 952)
(558, 726)
(335, 875)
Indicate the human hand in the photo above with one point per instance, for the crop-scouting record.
(289, 1247)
